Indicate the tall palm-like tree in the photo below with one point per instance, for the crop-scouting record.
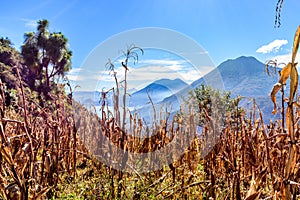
(47, 55)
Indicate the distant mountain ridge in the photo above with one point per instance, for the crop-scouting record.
(173, 85)
(157, 91)
(246, 76)
(243, 76)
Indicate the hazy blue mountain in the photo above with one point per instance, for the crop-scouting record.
(132, 90)
(87, 97)
(244, 76)
(93, 98)
(173, 85)
(157, 90)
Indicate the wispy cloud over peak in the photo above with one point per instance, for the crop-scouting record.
(273, 46)
(285, 58)
(30, 23)
(164, 62)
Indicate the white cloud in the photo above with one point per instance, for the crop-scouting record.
(30, 23)
(151, 73)
(272, 46)
(284, 59)
(75, 70)
(75, 74)
(142, 74)
(149, 70)
(163, 62)
(75, 77)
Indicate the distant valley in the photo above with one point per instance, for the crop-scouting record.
(244, 76)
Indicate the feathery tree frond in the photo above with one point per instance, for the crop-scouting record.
(47, 55)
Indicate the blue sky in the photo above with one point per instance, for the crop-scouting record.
(226, 29)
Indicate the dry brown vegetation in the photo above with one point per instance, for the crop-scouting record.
(37, 145)
(43, 152)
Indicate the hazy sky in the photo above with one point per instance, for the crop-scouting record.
(226, 29)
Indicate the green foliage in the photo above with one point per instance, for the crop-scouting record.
(212, 103)
(8, 55)
(9, 58)
(7, 76)
(5, 42)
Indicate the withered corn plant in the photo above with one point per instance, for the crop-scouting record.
(254, 159)
(273, 64)
(38, 144)
(43, 155)
(289, 71)
(244, 157)
(140, 138)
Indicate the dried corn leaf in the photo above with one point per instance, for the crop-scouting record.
(5, 153)
(272, 64)
(296, 44)
(24, 166)
(291, 163)
(294, 83)
(288, 120)
(254, 191)
(275, 90)
(42, 192)
(294, 158)
(285, 73)
(253, 196)
(294, 183)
